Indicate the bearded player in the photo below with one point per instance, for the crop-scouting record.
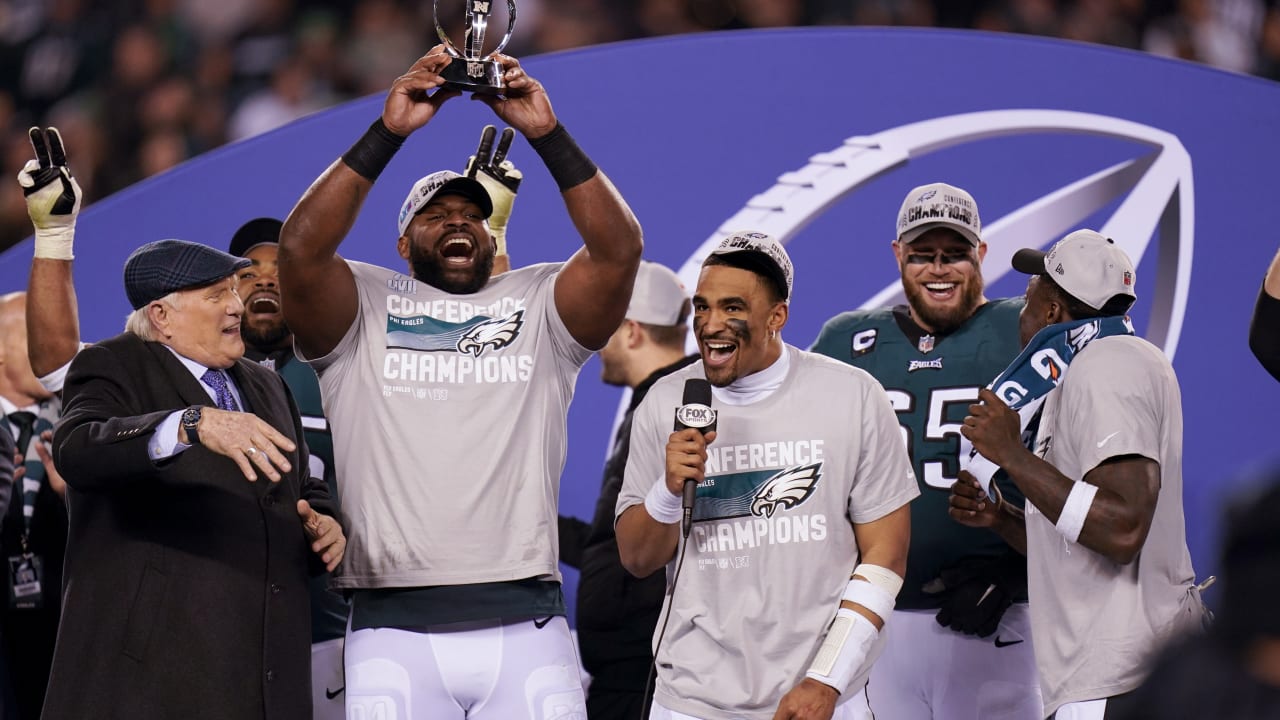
(961, 642)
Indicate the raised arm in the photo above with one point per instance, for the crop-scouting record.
(53, 203)
(317, 288)
(1264, 325)
(594, 288)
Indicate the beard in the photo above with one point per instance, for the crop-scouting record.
(427, 268)
(265, 339)
(943, 319)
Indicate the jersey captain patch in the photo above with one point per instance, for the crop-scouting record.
(786, 489)
(863, 342)
(472, 337)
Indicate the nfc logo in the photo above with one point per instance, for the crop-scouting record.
(695, 415)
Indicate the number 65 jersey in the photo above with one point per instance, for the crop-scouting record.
(931, 381)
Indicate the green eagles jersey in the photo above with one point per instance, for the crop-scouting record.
(931, 381)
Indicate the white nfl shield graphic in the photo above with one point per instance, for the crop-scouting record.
(925, 344)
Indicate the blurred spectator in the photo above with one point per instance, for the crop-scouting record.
(158, 81)
(1222, 33)
(1234, 670)
(289, 97)
(383, 43)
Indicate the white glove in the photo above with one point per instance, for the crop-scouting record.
(53, 195)
(500, 179)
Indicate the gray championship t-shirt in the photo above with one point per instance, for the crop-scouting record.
(1095, 622)
(772, 545)
(448, 418)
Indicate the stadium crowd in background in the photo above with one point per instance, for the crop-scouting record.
(138, 86)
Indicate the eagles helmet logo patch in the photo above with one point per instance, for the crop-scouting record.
(497, 334)
(786, 489)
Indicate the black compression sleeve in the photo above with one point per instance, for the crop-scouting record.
(1264, 333)
(568, 164)
(371, 153)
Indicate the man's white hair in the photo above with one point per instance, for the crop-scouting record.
(139, 321)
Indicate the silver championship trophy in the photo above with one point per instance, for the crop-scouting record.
(472, 69)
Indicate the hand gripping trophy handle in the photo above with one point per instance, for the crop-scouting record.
(472, 70)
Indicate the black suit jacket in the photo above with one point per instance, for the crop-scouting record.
(185, 585)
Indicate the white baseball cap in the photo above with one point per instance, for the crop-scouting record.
(762, 254)
(446, 181)
(658, 297)
(1089, 267)
(939, 205)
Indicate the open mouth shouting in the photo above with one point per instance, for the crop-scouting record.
(263, 303)
(718, 352)
(458, 250)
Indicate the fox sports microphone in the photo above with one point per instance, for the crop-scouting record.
(694, 412)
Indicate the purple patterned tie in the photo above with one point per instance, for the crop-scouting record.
(216, 380)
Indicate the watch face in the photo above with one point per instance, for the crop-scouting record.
(191, 417)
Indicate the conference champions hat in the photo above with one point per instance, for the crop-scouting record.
(447, 182)
(1089, 267)
(658, 297)
(760, 253)
(939, 205)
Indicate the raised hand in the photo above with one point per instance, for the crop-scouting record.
(994, 428)
(416, 96)
(53, 195)
(325, 535)
(499, 177)
(687, 457)
(491, 167)
(523, 104)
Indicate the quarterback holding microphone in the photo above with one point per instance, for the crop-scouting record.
(800, 523)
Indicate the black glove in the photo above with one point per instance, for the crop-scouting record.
(53, 195)
(978, 589)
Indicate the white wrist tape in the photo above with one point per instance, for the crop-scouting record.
(499, 240)
(880, 577)
(870, 596)
(662, 505)
(844, 651)
(1075, 510)
(56, 243)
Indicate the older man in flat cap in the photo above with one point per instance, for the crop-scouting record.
(194, 522)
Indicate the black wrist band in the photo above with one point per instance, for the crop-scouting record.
(568, 164)
(373, 151)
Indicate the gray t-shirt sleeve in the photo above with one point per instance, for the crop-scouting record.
(562, 340)
(884, 480)
(646, 460)
(1114, 394)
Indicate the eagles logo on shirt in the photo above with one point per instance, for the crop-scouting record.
(473, 337)
(497, 334)
(786, 489)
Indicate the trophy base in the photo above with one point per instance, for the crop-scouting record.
(477, 76)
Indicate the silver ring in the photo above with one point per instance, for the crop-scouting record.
(252, 451)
